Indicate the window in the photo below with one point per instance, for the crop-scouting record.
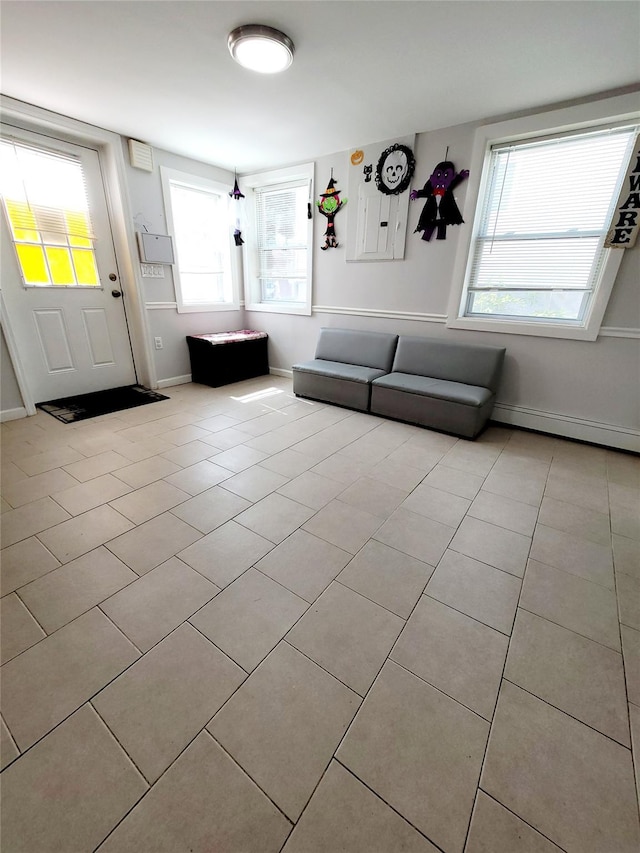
(279, 240)
(198, 217)
(536, 262)
(45, 201)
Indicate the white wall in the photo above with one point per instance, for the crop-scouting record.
(588, 390)
(10, 397)
(577, 388)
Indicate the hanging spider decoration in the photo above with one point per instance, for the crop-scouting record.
(395, 169)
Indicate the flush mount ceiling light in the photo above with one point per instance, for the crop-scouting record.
(261, 48)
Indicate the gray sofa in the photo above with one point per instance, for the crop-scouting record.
(439, 384)
(345, 365)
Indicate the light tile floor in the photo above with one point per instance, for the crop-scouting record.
(238, 621)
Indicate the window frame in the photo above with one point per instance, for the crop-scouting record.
(170, 176)
(597, 115)
(302, 174)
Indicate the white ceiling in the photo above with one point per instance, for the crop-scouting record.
(364, 71)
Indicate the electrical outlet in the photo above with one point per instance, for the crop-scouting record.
(158, 343)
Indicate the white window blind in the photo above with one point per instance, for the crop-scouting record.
(201, 232)
(46, 189)
(282, 241)
(538, 250)
(46, 203)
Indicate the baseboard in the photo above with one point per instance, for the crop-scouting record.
(13, 414)
(608, 435)
(174, 380)
(279, 371)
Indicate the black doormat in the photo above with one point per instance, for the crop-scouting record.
(72, 409)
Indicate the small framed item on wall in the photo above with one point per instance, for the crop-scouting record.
(155, 248)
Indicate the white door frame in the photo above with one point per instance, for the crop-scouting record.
(109, 146)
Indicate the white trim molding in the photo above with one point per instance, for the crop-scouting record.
(161, 306)
(13, 414)
(565, 426)
(174, 380)
(280, 371)
(379, 312)
(618, 332)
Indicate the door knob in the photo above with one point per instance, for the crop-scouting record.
(116, 294)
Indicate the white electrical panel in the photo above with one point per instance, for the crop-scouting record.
(155, 248)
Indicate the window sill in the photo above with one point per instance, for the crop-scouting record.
(279, 308)
(207, 308)
(511, 327)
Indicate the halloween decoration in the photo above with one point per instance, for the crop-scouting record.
(367, 172)
(328, 206)
(357, 157)
(395, 169)
(625, 224)
(441, 208)
(235, 193)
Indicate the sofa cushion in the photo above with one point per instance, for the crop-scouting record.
(367, 349)
(440, 389)
(470, 364)
(338, 370)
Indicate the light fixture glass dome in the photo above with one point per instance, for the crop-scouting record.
(261, 48)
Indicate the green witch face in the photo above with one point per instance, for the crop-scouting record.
(329, 205)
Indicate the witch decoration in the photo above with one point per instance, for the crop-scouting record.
(236, 195)
(441, 208)
(329, 204)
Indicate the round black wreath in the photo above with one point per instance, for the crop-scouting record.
(404, 183)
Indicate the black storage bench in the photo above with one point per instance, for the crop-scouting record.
(225, 357)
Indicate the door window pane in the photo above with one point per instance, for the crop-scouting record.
(46, 205)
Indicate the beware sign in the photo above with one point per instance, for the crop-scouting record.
(625, 222)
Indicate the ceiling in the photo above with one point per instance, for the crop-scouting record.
(363, 72)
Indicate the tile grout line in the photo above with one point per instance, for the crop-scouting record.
(635, 759)
(369, 433)
(502, 678)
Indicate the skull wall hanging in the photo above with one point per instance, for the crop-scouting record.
(395, 169)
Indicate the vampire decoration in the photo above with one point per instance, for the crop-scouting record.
(441, 208)
(328, 206)
(395, 169)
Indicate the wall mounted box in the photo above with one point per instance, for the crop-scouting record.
(155, 248)
(140, 155)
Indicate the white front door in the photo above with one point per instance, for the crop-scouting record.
(62, 290)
